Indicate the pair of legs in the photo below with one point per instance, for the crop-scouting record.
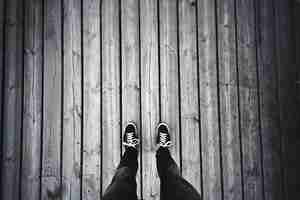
(173, 185)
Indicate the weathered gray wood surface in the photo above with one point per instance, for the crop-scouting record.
(268, 99)
(52, 101)
(72, 100)
(12, 101)
(33, 91)
(288, 75)
(190, 122)
(2, 15)
(220, 73)
(130, 80)
(111, 89)
(248, 100)
(229, 100)
(169, 68)
(92, 160)
(149, 96)
(209, 103)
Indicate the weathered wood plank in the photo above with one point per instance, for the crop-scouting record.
(248, 94)
(169, 72)
(51, 162)
(190, 122)
(52, 101)
(269, 115)
(131, 69)
(12, 109)
(296, 32)
(72, 113)
(229, 115)
(2, 45)
(287, 93)
(32, 112)
(208, 83)
(91, 180)
(293, 138)
(111, 89)
(150, 96)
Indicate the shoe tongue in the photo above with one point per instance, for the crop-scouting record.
(163, 130)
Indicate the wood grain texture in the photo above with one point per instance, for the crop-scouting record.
(287, 94)
(248, 94)
(228, 88)
(32, 112)
(208, 83)
(91, 182)
(2, 50)
(52, 106)
(169, 72)
(219, 72)
(150, 96)
(131, 70)
(72, 105)
(111, 89)
(269, 112)
(190, 122)
(292, 139)
(269, 101)
(12, 113)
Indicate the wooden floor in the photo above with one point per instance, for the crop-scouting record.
(220, 72)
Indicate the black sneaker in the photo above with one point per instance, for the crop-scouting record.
(163, 136)
(130, 138)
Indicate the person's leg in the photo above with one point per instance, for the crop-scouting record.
(165, 163)
(173, 185)
(123, 185)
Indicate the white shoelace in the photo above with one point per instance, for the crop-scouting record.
(131, 140)
(163, 140)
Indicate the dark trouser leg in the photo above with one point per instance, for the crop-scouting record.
(123, 184)
(173, 185)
